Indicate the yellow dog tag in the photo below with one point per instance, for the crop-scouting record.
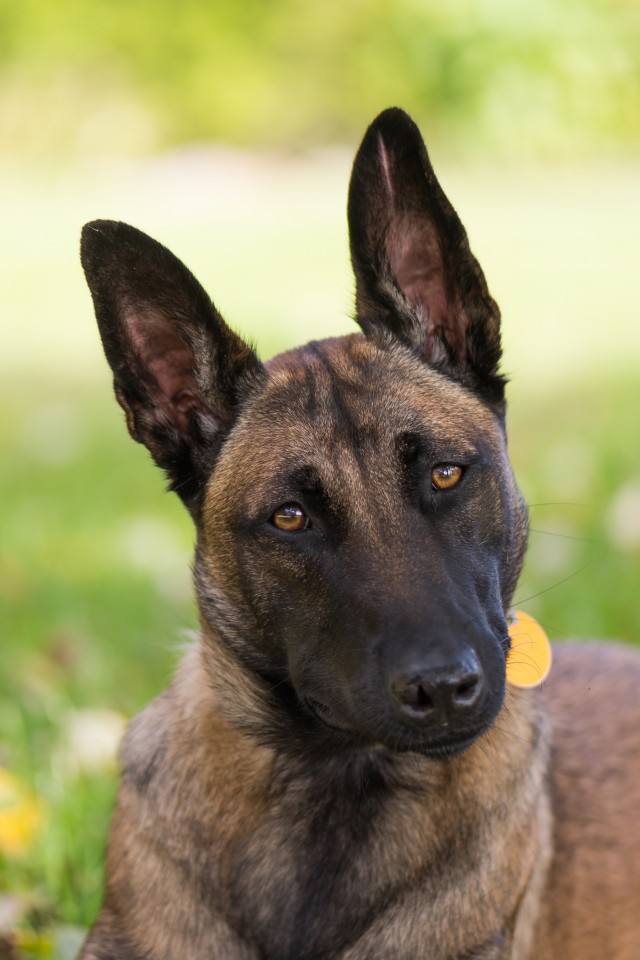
(529, 659)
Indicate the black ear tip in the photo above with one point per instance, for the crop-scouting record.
(394, 122)
(100, 238)
(100, 227)
(393, 115)
(395, 133)
(95, 235)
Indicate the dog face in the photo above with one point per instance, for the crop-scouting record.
(359, 529)
(379, 595)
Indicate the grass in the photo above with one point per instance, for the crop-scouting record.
(94, 589)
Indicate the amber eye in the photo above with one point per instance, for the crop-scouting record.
(445, 476)
(291, 518)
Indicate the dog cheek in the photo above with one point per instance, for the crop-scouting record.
(304, 619)
(282, 593)
(497, 524)
(514, 530)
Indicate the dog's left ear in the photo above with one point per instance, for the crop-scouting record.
(415, 274)
(180, 374)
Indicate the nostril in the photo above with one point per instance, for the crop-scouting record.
(439, 694)
(413, 695)
(467, 691)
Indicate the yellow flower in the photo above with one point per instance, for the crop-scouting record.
(20, 815)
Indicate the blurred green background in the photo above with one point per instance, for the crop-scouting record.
(226, 130)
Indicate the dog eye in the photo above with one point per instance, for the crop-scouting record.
(445, 476)
(291, 518)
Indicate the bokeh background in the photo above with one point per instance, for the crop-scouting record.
(225, 128)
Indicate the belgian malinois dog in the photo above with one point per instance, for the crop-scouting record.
(339, 770)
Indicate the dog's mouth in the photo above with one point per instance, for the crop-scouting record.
(395, 741)
(443, 751)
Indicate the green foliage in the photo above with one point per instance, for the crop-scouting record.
(94, 604)
(509, 75)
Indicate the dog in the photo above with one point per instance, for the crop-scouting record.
(339, 770)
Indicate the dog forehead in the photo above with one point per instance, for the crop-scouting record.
(340, 406)
(351, 383)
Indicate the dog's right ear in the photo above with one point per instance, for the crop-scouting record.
(180, 373)
(416, 277)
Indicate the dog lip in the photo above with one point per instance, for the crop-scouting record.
(323, 713)
(450, 750)
(439, 751)
(450, 744)
(443, 751)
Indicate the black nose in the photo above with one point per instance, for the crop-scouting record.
(438, 695)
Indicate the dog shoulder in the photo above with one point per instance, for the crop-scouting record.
(107, 942)
(592, 699)
(588, 684)
(181, 751)
(593, 703)
(144, 746)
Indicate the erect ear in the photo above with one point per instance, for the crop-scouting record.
(415, 274)
(180, 373)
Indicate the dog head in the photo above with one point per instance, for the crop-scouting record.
(359, 529)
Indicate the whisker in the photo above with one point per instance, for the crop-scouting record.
(510, 716)
(554, 585)
(561, 503)
(481, 747)
(566, 536)
(510, 733)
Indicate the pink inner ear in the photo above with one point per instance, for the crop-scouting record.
(416, 260)
(171, 365)
(385, 164)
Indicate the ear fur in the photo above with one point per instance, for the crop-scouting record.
(416, 277)
(180, 373)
